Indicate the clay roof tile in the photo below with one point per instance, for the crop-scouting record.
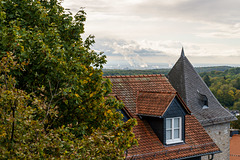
(134, 91)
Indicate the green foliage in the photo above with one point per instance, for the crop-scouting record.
(225, 86)
(210, 69)
(52, 91)
(236, 124)
(207, 80)
(236, 83)
(202, 70)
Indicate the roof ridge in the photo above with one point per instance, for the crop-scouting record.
(184, 76)
(174, 92)
(135, 76)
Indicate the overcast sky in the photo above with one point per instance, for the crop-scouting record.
(154, 31)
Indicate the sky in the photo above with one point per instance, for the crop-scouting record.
(144, 32)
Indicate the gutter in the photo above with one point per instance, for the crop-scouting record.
(210, 153)
(146, 155)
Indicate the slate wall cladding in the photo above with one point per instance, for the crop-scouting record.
(220, 135)
(174, 110)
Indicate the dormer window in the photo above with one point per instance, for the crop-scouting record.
(165, 113)
(203, 100)
(174, 130)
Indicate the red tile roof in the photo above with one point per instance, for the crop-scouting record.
(126, 87)
(235, 147)
(197, 142)
(153, 103)
(138, 92)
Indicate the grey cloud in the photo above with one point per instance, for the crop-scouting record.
(148, 52)
(99, 6)
(220, 11)
(222, 31)
(131, 51)
(114, 47)
(223, 11)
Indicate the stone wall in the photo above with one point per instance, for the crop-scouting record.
(220, 133)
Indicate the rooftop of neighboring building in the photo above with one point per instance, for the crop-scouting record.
(235, 147)
(151, 96)
(195, 93)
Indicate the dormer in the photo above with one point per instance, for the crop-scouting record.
(165, 112)
(202, 100)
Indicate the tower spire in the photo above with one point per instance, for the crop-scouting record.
(182, 53)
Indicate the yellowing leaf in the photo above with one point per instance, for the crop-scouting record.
(91, 94)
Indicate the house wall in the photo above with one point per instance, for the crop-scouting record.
(220, 133)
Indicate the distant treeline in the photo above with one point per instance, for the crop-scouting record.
(112, 72)
(225, 85)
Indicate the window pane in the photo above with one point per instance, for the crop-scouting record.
(169, 134)
(176, 133)
(176, 122)
(169, 124)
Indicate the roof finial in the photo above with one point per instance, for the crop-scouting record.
(182, 53)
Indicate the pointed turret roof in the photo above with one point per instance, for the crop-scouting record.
(182, 53)
(196, 93)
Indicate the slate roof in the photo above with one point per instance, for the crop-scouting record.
(193, 90)
(137, 92)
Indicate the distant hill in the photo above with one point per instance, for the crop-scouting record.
(231, 72)
(215, 68)
(112, 72)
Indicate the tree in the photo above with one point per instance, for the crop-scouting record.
(236, 106)
(207, 80)
(236, 83)
(60, 81)
(236, 124)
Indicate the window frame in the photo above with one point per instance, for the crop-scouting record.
(174, 140)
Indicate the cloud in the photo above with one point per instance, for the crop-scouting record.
(113, 47)
(154, 31)
(143, 53)
(220, 18)
(131, 51)
(103, 7)
(220, 31)
(220, 11)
